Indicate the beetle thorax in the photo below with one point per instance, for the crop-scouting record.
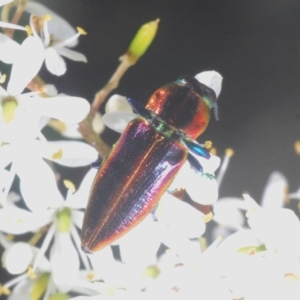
(181, 107)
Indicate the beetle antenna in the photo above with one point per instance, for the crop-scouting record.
(216, 111)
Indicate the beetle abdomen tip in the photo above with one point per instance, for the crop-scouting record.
(85, 249)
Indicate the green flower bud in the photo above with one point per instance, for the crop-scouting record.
(142, 40)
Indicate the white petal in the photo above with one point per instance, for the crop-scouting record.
(58, 26)
(26, 65)
(67, 109)
(118, 103)
(211, 79)
(6, 156)
(73, 154)
(295, 195)
(9, 49)
(55, 64)
(143, 239)
(278, 229)
(181, 217)
(102, 261)
(13, 26)
(38, 185)
(25, 124)
(80, 198)
(64, 261)
(3, 2)
(77, 218)
(118, 121)
(71, 54)
(3, 92)
(187, 250)
(15, 220)
(50, 90)
(21, 290)
(200, 186)
(227, 212)
(4, 179)
(17, 258)
(274, 193)
(97, 297)
(237, 241)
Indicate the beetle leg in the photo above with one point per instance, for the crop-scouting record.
(194, 163)
(96, 164)
(196, 148)
(139, 108)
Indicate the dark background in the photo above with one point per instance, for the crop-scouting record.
(254, 44)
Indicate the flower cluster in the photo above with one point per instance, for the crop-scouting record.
(166, 255)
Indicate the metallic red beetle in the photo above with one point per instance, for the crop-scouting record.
(145, 160)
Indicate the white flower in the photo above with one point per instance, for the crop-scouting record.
(37, 180)
(229, 212)
(253, 272)
(54, 47)
(277, 228)
(23, 115)
(64, 261)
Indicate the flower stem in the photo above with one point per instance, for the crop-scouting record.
(16, 18)
(85, 127)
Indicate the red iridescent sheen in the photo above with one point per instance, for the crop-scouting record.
(129, 184)
(181, 107)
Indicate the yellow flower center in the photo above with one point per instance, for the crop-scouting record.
(64, 220)
(9, 106)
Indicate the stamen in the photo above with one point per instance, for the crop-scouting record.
(208, 217)
(37, 236)
(58, 154)
(208, 144)
(224, 166)
(297, 147)
(229, 152)
(90, 276)
(28, 30)
(81, 31)
(291, 277)
(2, 78)
(70, 185)
(46, 18)
(57, 125)
(10, 237)
(287, 199)
(203, 243)
(31, 273)
(4, 290)
(213, 151)
(66, 42)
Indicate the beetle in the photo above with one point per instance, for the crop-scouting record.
(145, 160)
